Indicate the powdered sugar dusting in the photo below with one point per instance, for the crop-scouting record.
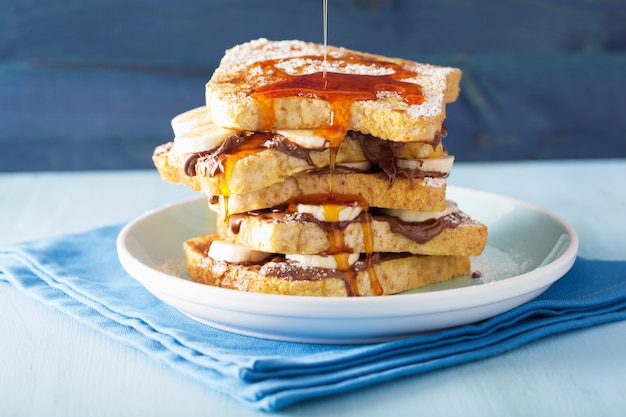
(294, 270)
(300, 58)
(175, 267)
(434, 182)
(495, 265)
(308, 65)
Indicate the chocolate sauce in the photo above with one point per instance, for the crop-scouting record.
(276, 214)
(422, 232)
(238, 146)
(190, 164)
(204, 247)
(284, 145)
(234, 222)
(413, 174)
(381, 154)
(293, 271)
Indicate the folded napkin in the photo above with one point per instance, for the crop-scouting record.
(81, 276)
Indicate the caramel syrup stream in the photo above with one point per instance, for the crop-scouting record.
(325, 11)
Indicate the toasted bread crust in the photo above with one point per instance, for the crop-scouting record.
(464, 236)
(388, 117)
(394, 275)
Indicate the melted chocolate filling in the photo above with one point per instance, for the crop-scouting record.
(292, 271)
(420, 232)
(213, 160)
(381, 154)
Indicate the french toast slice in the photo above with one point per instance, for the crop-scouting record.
(239, 96)
(392, 274)
(281, 232)
(260, 160)
(428, 194)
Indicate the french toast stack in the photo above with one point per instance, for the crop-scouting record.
(326, 169)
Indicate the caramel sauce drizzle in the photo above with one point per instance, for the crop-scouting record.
(248, 146)
(340, 90)
(325, 13)
(337, 246)
(368, 241)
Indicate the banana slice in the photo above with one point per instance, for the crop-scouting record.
(305, 138)
(221, 250)
(195, 131)
(325, 261)
(420, 216)
(330, 212)
(191, 120)
(443, 164)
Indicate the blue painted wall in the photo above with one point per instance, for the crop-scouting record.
(93, 84)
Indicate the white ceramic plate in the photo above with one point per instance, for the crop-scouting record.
(528, 249)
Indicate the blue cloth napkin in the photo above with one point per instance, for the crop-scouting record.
(81, 276)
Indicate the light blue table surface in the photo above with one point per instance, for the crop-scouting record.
(53, 366)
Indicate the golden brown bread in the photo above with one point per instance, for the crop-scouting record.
(427, 194)
(251, 170)
(295, 233)
(388, 116)
(394, 274)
